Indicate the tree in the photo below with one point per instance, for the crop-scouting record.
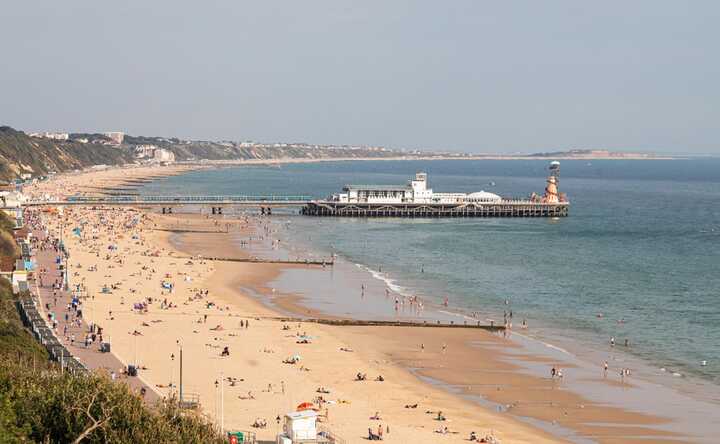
(8, 246)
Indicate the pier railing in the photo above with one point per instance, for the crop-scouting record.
(199, 199)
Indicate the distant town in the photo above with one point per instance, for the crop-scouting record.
(165, 150)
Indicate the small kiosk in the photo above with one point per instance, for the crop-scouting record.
(299, 427)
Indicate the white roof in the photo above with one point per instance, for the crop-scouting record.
(304, 414)
(483, 195)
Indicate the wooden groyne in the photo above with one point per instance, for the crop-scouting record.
(188, 230)
(359, 323)
(259, 261)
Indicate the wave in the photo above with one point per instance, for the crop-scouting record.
(389, 282)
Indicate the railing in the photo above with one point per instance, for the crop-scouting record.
(326, 436)
(33, 319)
(190, 401)
(141, 199)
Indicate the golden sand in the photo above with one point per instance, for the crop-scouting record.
(141, 259)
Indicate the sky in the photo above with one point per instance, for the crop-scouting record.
(476, 76)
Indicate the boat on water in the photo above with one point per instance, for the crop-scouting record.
(416, 199)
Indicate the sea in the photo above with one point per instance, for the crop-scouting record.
(638, 259)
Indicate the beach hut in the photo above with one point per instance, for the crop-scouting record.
(299, 426)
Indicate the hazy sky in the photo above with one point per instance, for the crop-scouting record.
(485, 76)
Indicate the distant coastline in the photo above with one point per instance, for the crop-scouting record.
(290, 160)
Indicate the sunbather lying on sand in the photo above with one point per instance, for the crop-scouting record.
(260, 423)
(249, 396)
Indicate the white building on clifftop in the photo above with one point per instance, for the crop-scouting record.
(163, 155)
(117, 137)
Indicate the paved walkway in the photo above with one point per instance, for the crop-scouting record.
(91, 356)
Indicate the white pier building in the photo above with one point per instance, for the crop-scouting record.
(415, 192)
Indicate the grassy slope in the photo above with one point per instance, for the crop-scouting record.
(20, 153)
(38, 404)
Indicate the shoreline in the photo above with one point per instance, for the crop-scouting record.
(489, 392)
(287, 161)
(395, 351)
(147, 336)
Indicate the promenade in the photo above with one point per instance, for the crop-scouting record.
(58, 302)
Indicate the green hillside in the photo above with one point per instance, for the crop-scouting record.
(20, 153)
(40, 404)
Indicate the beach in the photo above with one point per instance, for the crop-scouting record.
(146, 283)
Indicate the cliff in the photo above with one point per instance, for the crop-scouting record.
(21, 153)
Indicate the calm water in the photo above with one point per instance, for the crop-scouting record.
(642, 244)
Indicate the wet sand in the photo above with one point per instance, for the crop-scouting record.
(480, 381)
(475, 365)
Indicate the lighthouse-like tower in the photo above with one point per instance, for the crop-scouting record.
(553, 181)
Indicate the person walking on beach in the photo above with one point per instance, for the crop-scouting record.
(605, 369)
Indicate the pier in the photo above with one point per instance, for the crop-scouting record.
(168, 204)
(310, 207)
(425, 210)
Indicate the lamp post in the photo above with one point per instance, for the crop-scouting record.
(222, 403)
(66, 282)
(221, 384)
(172, 372)
(181, 372)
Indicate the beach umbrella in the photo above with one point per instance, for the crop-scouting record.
(305, 406)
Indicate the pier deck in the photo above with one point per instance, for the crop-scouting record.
(309, 207)
(501, 209)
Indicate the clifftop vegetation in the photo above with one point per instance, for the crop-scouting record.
(39, 404)
(20, 154)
